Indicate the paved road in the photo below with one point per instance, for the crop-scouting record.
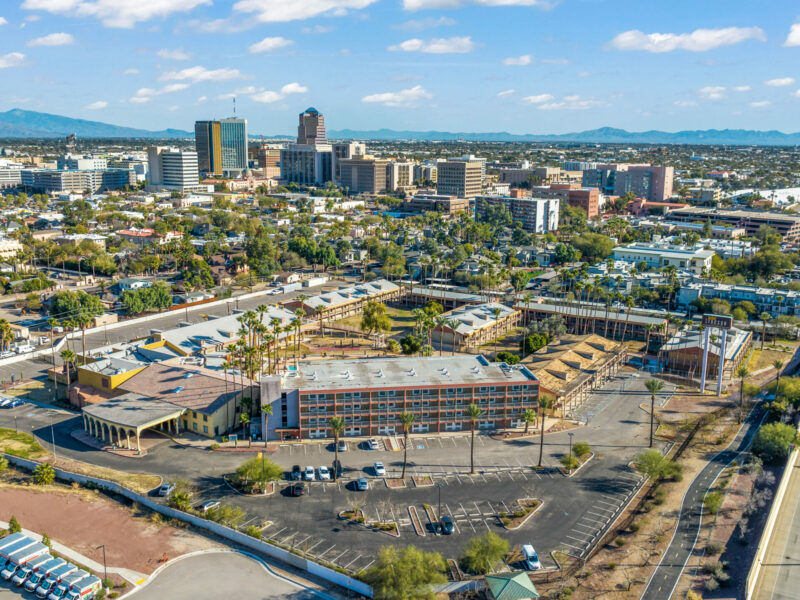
(668, 572)
(218, 575)
(779, 577)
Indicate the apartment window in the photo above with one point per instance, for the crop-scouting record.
(382, 394)
(515, 388)
(356, 407)
(194, 426)
(391, 393)
(415, 392)
(312, 396)
(356, 394)
(482, 389)
(194, 415)
(205, 429)
(205, 418)
(347, 395)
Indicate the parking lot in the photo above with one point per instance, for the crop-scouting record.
(575, 511)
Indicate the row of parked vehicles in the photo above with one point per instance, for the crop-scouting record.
(28, 565)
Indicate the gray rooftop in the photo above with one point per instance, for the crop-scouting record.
(599, 313)
(693, 338)
(392, 373)
(440, 294)
(351, 293)
(473, 318)
(133, 410)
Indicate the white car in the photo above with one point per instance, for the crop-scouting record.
(380, 470)
(530, 558)
(308, 474)
(324, 474)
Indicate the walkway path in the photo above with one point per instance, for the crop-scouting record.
(668, 571)
(68, 553)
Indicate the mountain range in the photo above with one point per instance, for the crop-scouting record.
(19, 123)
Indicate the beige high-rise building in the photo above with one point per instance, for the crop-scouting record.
(399, 175)
(363, 174)
(462, 178)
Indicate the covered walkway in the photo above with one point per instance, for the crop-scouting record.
(119, 420)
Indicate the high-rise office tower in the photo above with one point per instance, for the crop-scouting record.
(461, 178)
(171, 168)
(221, 146)
(311, 129)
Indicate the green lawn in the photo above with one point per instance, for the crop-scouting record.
(402, 321)
(20, 444)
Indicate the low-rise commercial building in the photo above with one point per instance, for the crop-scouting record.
(474, 325)
(346, 301)
(769, 300)
(449, 205)
(787, 225)
(682, 354)
(371, 394)
(659, 255)
(537, 215)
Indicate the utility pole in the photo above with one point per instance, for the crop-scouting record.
(105, 569)
(571, 434)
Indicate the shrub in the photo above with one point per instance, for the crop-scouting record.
(711, 585)
(215, 446)
(659, 496)
(771, 443)
(713, 502)
(619, 541)
(46, 541)
(569, 461)
(253, 531)
(44, 474)
(634, 527)
(713, 567)
(3, 463)
(581, 449)
(612, 566)
(690, 595)
(714, 548)
(13, 525)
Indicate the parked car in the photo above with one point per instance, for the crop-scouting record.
(447, 525)
(372, 444)
(5, 402)
(362, 485)
(25, 348)
(297, 473)
(297, 489)
(208, 505)
(13, 403)
(166, 489)
(323, 474)
(530, 558)
(7, 354)
(308, 474)
(380, 470)
(342, 446)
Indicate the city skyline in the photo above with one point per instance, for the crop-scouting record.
(519, 65)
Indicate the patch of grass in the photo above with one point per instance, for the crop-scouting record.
(20, 444)
(138, 482)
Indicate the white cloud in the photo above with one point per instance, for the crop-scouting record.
(271, 11)
(538, 99)
(130, 72)
(428, 23)
(443, 4)
(518, 61)
(555, 61)
(269, 96)
(741, 88)
(402, 99)
(3, 21)
(202, 99)
(99, 105)
(53, 39)
(229, 25)
(712, 92)
(176, 54)
(146, 94)
(12, 59)
(453, 45)
(793, 39)
(198, 73)
(505, 93)
(317, 29)
(115, 13)
(268, 44)
(779, 82)
(685, 103)
(699, 40)
(573, 102)
(760, 104)
(797, 93)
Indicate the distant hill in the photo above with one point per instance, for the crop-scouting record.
(18, 123)
(607, 135)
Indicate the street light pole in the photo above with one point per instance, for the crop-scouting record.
(439, 511)
(570, 451)
(105, 570)
(53, 439)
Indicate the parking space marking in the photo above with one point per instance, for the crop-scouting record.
(310, 548)
(352, 561)
(571, 546)
(604, 509)
(277, 533)
(326, 551)
(586, 526)
(577, 539)
(615, 504)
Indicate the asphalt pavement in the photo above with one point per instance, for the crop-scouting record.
(668, 572)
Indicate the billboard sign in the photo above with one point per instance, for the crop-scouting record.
(718, 321)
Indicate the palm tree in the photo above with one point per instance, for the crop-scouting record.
(778, 364)
(68, 356)
(407, 419)
(442, 322)
(473, 413)
(653, 386)
(337, 428)
(528, 417)
(496, 313)
(544, 404)
(266, 410)
(742, 373)
(764, 317)
(225, 366)
(244, 419)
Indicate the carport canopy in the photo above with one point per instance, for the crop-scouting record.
(128, 415)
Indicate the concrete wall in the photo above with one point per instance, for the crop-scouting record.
(227, 533)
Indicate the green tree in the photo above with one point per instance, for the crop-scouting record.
(528, 417)
(44, 474)
(224, 514)
(244, 420)
(3, 463)
(406, 419)
(374, 318)
(656, 466)
(713, 502)
(46, 541)
(473, 413)
(13, 525)
(405, 574)
(259, 471)
(484, 553)
(653, 386)
(337, 428)
(771, 443)
(410, 345)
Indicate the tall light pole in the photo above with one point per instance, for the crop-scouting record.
(439, 512)
(571, 434)
(105, 570)
(53, 439)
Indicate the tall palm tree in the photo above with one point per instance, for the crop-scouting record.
(496, 313)
(653, 386)
(544, 404)
(764, 317)
(778, 364)
(442, 322)
(266, 410)
(244, 419)
(528, 417)
(406, 419)
(225, 366)
(337, 428)
(742, 373)
(473, 413)
(68, 356)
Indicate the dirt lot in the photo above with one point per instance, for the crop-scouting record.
(82, 520)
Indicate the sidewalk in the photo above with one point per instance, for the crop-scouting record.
(129, 575)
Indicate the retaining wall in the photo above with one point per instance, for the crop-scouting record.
(222, 531)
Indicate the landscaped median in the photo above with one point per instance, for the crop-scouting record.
(356, 516)
(574, 461)
(516, 519)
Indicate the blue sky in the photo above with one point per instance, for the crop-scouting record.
(524, 66)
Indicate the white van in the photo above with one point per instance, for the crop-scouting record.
(530, 558)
